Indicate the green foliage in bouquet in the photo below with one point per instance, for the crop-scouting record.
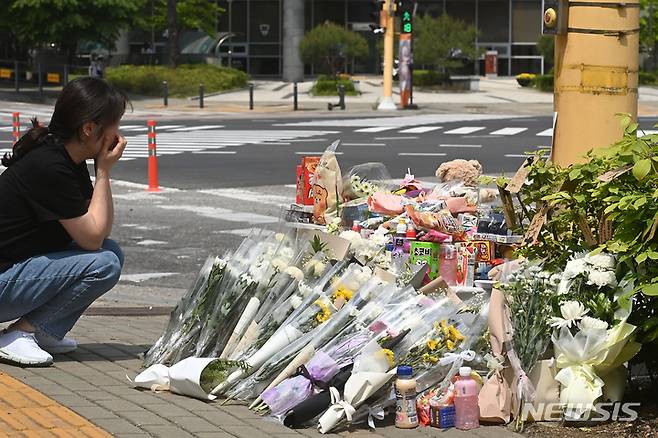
(217, 371)
(609, 203)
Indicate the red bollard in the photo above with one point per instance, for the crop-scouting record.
(16, 126)
(153, 158)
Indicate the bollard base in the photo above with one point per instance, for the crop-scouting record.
(153, 189)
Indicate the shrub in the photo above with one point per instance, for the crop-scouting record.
(647, 78)
(544, 82)
(326, 86)
(525, 79)
(428, 78)
(182, 81)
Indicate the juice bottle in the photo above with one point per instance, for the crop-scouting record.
(467, 410)
(405, 399)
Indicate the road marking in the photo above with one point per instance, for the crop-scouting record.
(460, 145)
(422, 154)
(169, 126)
(523, 155)
(137, 128)
(245, 232)
(306, 140)
(274, 144)
(148, 242)
(215, 152)
(641, 132)
(196, 128)
(546, 133)
(223, 214)
(138, 278)
(363, 144)
(419, 129)
(375, 129)
(465, 130)
(314, 153)
(396, 138)
(508, 131)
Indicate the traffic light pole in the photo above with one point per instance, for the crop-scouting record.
(389, 39)
(596, 72)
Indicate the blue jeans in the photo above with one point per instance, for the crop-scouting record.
(51, 291)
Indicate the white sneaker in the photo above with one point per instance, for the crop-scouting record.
(55, 346)
(21, 348)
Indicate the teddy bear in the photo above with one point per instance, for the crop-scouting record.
(461, 178)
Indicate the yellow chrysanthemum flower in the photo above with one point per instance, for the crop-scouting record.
(455, 334)
(344, 293)
(390, 356)
(432, 344)
(450, 345)
(444, 328)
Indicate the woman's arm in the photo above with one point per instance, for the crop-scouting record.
(90, 230)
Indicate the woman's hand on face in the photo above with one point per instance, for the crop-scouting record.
(111, 152)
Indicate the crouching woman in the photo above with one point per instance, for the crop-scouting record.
(55, 255)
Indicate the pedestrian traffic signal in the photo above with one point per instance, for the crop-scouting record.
(405, 11)
(378, 15)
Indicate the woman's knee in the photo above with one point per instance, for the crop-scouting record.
(111, 245)
(107, 266)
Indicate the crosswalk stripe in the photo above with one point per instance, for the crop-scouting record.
(419, 130)
(249, 196)
(223, 214)
(508, 131)
(197, 128)
(460, 145)
(375, 129)
(464, 130)
(546, 133)
(216, 152)
(642, 132)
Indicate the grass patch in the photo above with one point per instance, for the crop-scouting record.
(326, 86)
(182, 81)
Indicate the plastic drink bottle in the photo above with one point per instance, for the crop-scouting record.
(406, 416)
(467, 410)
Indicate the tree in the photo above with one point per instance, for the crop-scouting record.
(174, 16)
(546, 48)
(443, 42)
(62, 24)
(649, 28)
(328, 45)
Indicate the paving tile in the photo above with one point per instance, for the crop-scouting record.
(94, 413)
(195, 424)
(220, 418)
(243, 431)
(141, 416)
(167, 431)
(117, 426)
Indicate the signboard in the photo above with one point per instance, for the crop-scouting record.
(5, 73)
(53, 77)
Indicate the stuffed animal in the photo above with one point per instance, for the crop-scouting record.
(465, 171)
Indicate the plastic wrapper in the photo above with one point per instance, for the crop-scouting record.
(327, 186)
(365, 180)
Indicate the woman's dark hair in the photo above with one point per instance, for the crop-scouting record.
(81, 101)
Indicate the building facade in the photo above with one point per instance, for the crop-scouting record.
(266, 32)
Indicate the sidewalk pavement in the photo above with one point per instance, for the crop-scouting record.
(92, 383)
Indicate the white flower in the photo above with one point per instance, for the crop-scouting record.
(295, 301)
(279, 237)
(379, 239)
(601, 261)
(574, 268)
(319, 268)
(305, 290)
(602, 278)
(589, 323)
(279, 264)
(295, 273)
(571, 312)
(350, 235)
(555, 279)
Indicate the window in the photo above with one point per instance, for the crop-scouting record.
(493, 19)
(526, 21)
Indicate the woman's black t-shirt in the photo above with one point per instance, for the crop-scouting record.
(35, 193)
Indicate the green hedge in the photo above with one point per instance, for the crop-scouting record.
(428, 78)
(326, 86)
(544, 82)
(182, 81)
(647, 78)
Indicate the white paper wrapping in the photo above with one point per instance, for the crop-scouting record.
(182, 378)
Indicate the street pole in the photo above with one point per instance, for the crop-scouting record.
(596, 73)
(387, 103)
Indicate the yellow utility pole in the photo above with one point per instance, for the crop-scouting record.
(388, 22)
(596, 72)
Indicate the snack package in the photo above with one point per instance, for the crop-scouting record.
(327, 186)
(305, 172)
